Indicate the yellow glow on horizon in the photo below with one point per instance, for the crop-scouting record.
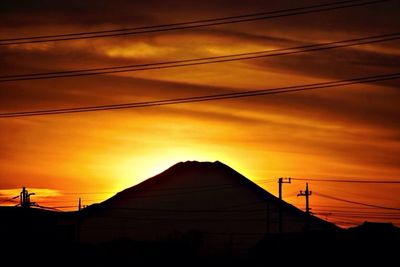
(129, 170)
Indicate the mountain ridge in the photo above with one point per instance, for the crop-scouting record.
(187, 174)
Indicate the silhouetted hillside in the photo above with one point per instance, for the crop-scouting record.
(229, 212)
(200, 186)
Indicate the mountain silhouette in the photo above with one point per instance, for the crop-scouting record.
(224, 209)
(192, 214)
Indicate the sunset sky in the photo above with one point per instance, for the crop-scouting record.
(349, 132)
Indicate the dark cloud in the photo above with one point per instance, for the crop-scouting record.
(336, 63)
(135, 13)
(95, 90)
(362, 105)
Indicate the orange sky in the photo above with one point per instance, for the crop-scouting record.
(349, 132)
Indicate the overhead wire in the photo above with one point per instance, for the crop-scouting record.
(202, 61)
(349, 181)
(348, 207)
(174, 191)
(65, 207)
(345, 222)
(46, 208)
(280, 90)
(86, 193)
(168, 210)
(355, 215)
(12, 199)
(68, 201)
(394, 215)
(190, 24)
(354, 202)
(347, 212)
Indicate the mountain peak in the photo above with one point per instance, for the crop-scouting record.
(190, 176)
(191, 163)
(196, 166)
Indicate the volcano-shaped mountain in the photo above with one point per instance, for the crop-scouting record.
(210, 199)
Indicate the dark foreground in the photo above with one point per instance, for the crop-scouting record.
(32, 239)
(379, 246)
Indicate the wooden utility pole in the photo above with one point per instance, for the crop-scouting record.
(306, 194)
(280, 182)
(25, 198)
(79, 221)
(22, 197)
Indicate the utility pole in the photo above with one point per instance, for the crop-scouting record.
(78, 222)
(22, 197)
(306, 194)
(25, 198)
(280, 182)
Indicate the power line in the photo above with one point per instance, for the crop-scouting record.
(179, 192)
(281, 90)
(355, 202)
(186, 219)
(348, 207)
(350, 181)
(69, 201)
(227, 187)
(344, 222)
(333, 212)
(359, 212)
(12, 199)
(160, 189)
(219, 210)
(205, 60)
(387, 218)
(261, 181)
(191, 24)
(87, 193)
(64, 207)
(48, 208)
(364, 216)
